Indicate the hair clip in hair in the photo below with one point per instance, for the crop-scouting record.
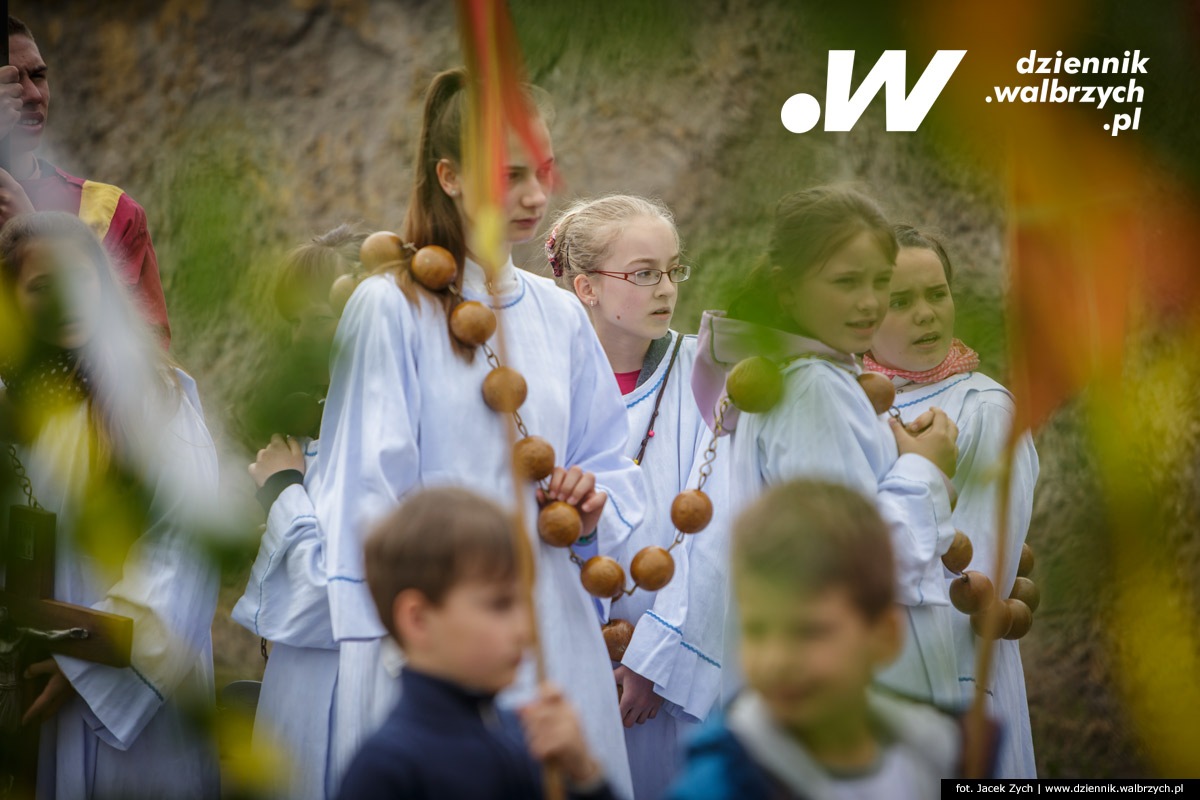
(550, 243)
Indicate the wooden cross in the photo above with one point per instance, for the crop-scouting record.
(34, 625)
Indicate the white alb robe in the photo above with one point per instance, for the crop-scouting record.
(983, 411)
(287, 603)
(824, 428)
(404, 412)
(129, 732)
(678, 641)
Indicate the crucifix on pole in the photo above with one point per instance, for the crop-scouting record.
(34, 626)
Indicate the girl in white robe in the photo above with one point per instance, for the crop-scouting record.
(915, 346)
(405, 411)
(286, 600)
(103, 402)
(826, 291)
(670, 673)
(287, 603)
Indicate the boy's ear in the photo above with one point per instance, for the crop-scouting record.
(410, 616)
(889, 632)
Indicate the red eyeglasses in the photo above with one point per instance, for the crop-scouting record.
(649, 277)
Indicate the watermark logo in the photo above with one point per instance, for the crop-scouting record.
(905, 112)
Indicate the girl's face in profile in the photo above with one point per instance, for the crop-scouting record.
(918, 330)
(56, 292)
(842, 302)
(527, 188)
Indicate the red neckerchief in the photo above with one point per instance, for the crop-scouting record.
(960, 359)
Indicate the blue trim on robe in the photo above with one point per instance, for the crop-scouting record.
(962, 679)
(620, 516)
(661, 378)
(935, 394)
(146, 681)
(687, 646)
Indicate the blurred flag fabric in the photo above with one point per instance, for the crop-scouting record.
(1101, 309)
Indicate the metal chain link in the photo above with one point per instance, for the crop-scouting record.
(26, 485)
(520, 424)
(710, 455)
(492, 359)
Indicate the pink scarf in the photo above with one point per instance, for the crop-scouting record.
(960, 359)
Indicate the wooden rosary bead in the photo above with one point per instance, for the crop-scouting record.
(559, 524)
(603, 577)
(617, 635)
(999, 615)
(652, 568)
(1022, 619)
(380, 249)
(972, 593)
(691, 511)
(434, 267)
(958, 557)
(1027, 592)
(472, 323)
(340, 291)
(504, 390)
(880, 391)
(754, 385)
(533, 458)
(1025, 565)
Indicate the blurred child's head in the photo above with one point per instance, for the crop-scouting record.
(815, 585)
(444, 573)
(77, 327)
(918, 330)
(302, 297)
(829, 267)
(58, 277)
(303, 284)
(630, 238)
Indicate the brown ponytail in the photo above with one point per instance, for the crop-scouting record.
(432, 217)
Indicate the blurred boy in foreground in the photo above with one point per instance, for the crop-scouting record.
(813, 571)
(444, 575)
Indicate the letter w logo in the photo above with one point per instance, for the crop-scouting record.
(801, 112)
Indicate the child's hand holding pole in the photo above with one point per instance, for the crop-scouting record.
(554, 736)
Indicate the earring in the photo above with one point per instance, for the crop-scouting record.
(592, 303)
(454, 192)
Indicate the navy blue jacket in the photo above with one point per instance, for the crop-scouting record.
(443, 742)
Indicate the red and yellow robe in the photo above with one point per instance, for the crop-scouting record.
(120, 223)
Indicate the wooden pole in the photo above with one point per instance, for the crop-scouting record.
(492, 57)
(977, 744)
(4, 143)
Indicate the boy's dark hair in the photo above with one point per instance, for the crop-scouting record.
(908, 236)
(816, 536)
(18, 28)
(434, 541)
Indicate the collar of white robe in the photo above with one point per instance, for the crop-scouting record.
(475, 279)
